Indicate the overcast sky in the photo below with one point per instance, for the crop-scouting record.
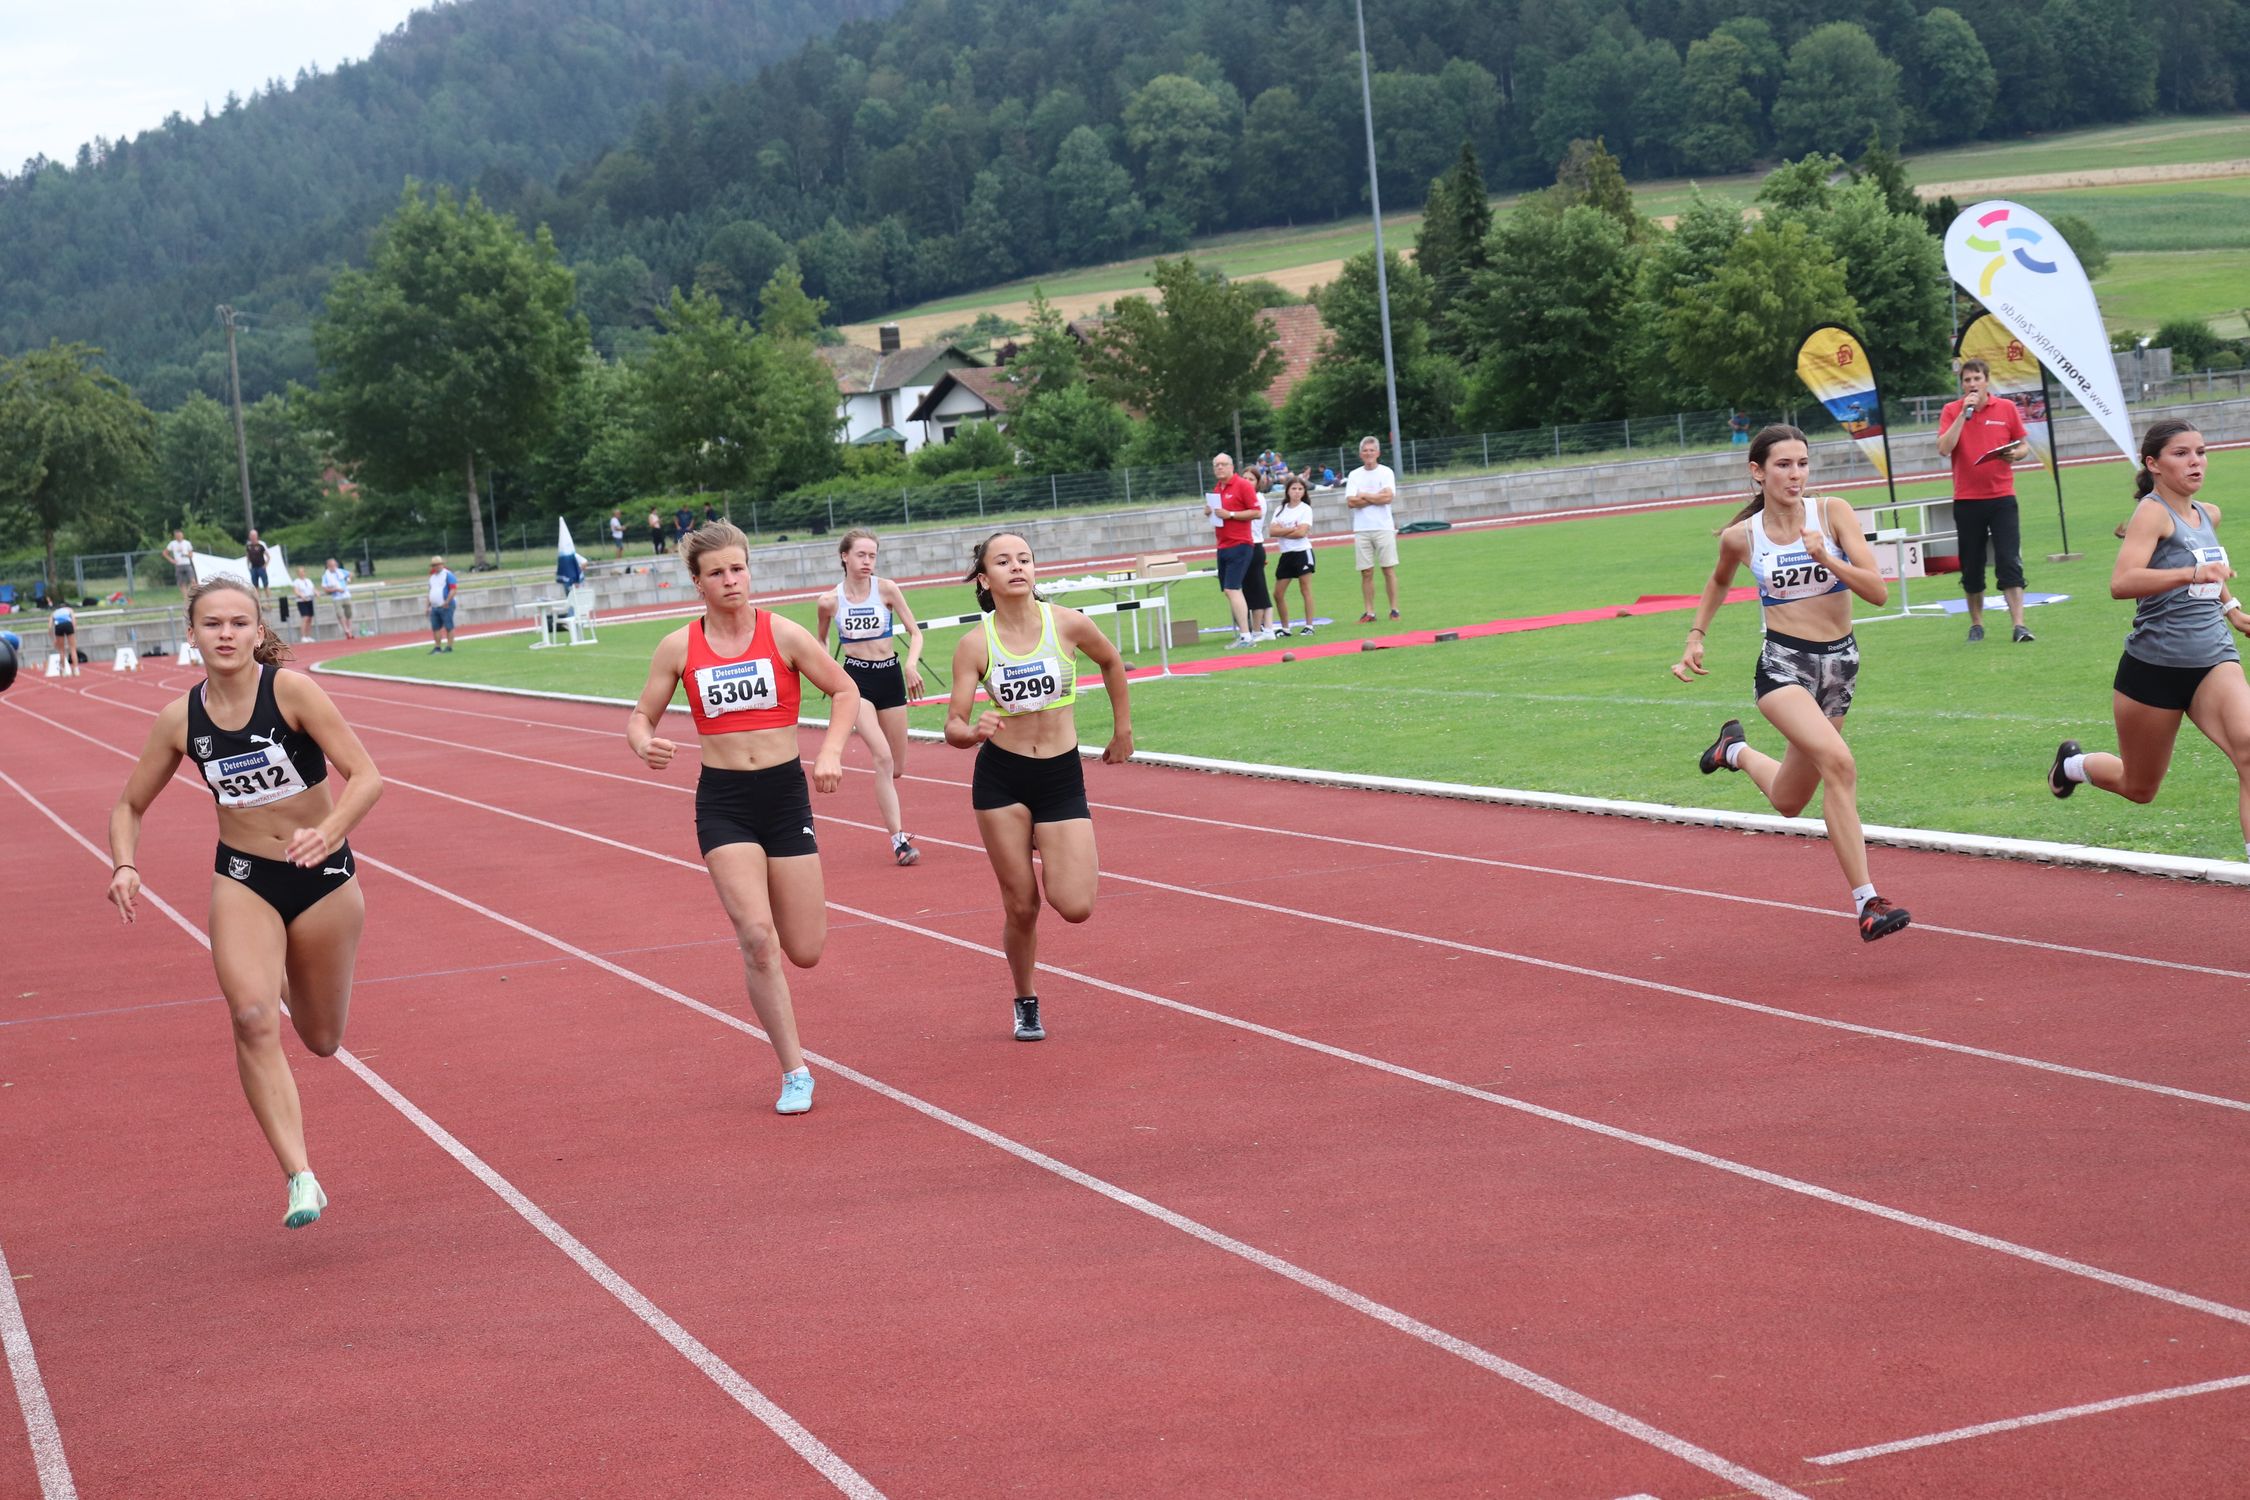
(74, 69)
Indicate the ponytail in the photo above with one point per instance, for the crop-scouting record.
(2153, 443)
(271, 650)
(976, 569)
(1760, 446)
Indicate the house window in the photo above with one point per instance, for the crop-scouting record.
(886, 398)
(946, 433)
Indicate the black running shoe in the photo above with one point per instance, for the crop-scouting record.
(2059, 784)
(1880, 919)
(1028, 1028)
(2023, 633)
(1715, 758)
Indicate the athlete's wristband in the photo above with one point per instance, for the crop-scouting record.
(1697, 630)
(136, 869)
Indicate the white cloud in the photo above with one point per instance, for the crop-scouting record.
(71, 72)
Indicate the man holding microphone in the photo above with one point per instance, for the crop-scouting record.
(1983, 435)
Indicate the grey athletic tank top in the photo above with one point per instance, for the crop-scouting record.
(2186, 626)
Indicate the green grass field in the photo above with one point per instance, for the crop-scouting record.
(1949, 735)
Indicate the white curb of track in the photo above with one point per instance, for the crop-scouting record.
(2039, 851)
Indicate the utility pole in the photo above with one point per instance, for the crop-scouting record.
(1375, 199)
(241, 446)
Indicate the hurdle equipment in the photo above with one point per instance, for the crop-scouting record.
(1154, 604)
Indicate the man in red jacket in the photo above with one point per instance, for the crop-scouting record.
(1983, 435)
(1233, 503)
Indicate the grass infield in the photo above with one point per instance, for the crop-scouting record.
(1949, 735)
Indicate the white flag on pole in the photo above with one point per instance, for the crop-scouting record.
(2025, 274)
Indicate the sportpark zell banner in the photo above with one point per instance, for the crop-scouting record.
(2025, 274)
(2015, 374)
(1833, 364)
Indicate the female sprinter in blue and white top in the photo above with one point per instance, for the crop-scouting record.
(1809, 557)
(286, 912)
(870, 613)
(1029, 788)
(753, 819)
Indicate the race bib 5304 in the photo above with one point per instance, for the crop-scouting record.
(736, 687)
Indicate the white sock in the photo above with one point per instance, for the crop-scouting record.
(1861, 895)
(2074, 768)
(1734, 754)
(800, 1073)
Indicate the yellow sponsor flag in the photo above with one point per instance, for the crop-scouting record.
(2015, 374)
(1834, 366)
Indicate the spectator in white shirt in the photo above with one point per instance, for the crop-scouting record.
(302, 586)
(181, 552)
(336, 583)
(1291, 530)
(1369, 491)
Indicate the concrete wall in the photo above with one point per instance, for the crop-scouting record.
(1071, 536)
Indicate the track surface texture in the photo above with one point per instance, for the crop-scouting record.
(1380, 1146)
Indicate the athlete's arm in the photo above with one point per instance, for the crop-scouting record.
(1734, 550)
(1857, 566)
(800, 650)
(901, 612)
(664, 671)
(305, 704)
(160, 757)
(824, 610)
(2133, 578)
(968, 666)
(1075, 630)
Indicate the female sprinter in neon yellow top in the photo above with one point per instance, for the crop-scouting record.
(1029, 789)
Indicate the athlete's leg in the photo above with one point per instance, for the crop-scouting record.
(323, 945)
(894, 725)
(2221, 709)
(2145, 737)
(739, 871)
(868, 726)
(1007, 835)
(1817, 754)
(247, 943)
(1068, 866)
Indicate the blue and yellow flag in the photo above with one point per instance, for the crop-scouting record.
(1834, 366)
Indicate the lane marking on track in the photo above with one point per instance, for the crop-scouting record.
(1963, 1049)
(47, 1456)
(1559, 872)
(1519, 1375)
(830, 1465)
(2036, 1419)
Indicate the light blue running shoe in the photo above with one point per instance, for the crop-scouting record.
(306, 1200)
(796, 1093)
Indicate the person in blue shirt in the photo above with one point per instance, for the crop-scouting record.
(443, 586)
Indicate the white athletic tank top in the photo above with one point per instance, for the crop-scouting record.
(864, 620)
(1785, 571)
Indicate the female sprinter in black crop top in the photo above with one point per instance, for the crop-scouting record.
(285, 911)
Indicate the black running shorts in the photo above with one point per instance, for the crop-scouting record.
(1053, 788)
(771, 808)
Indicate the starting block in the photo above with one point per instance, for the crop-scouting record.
(127, 660)
(189, 656)
(54, 664)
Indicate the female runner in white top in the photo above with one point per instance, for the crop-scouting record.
(1029, 790)
(869, 613)
(1809, 557)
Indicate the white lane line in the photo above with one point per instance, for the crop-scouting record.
(1460, 1348)
(1558, 872)
(1963, 1049)
(31, 1395)
(2036, 1419)
(830, 1465)
(1673, 1149)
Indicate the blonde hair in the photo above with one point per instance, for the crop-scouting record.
(709, 538)
(271, 650)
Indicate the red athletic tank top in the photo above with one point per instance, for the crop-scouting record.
(728, 695)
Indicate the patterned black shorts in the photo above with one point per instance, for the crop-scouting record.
(1826, 669)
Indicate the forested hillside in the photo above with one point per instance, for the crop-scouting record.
(130, 245)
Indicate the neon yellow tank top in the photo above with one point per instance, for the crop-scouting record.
(1046, 678)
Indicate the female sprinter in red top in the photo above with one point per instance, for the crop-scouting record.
(753, 819)
(1809, 557)
(286, 913)
(1029, 787)
(870, 613)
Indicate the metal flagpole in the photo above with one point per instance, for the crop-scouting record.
(2054, 464)
(1375, 200)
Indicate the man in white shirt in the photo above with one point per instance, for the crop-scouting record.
(443, 586)
(1369, 491)
(337, 585)
(181, 552)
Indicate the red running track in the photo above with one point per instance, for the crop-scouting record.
(1381, 1146)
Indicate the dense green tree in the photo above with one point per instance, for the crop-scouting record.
(784, 309)
(1097, 214)
(1676, 266)
(588, 461)
(1590, 176)
(1189, 360)
(1552, 314)
(1840, 93)
(1951, 88)
(1343, 394)
(72, 438)
(194, 472)
(1061, 424)
(1895, 271)
(1725, 121)
(2084, 240)
(1456, 218)
(288, 457)
(1283, 143)
(2199, 44)
(1183, 133)
(453, 344)
(2108, 59)
(1741, 328)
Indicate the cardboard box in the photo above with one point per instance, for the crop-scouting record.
(1186, 633)
(1158, 565)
